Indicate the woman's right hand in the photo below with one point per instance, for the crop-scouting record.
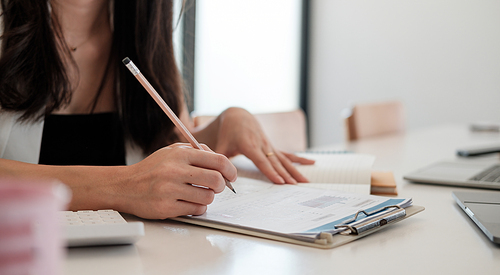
(166, 184)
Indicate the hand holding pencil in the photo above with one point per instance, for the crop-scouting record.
(163, 105)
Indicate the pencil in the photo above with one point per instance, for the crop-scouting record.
(163, 105)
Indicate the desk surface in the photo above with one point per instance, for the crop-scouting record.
(440, 240)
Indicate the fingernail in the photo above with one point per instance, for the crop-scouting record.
(280, 180)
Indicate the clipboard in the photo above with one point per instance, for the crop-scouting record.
(352, 229)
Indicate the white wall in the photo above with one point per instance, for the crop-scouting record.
(247, 54)
(177, 32)
(441, 58)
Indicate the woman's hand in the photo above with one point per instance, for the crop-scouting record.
(173, 181)
(167, 183)
(238, 132)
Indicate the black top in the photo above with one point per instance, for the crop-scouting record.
(94, 139)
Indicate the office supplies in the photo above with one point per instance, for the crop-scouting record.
(443, 240)
(334, 170)
(163, 105)
(300, 215)
(479, 173)
(341, 172)
(484, 209)
(485, 127)
(478, 150)
(101, 227)
(383, 183)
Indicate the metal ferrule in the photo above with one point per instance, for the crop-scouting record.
(133, 69)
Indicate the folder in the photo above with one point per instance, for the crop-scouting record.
(327, 215)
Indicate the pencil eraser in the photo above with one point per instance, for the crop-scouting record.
(126, 60)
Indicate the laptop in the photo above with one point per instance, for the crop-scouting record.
(480, 173)
(484, 209)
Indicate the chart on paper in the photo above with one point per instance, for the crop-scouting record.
(284, 208)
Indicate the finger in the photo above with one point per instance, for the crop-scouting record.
(189, 146)
(180, 145)
(278, 160)
(265, 166)
(168, 205)
(206, 178)
(213, 161)
(183, 208)
(196, 195)
(297, 159)
(272, 167)
(291, 168)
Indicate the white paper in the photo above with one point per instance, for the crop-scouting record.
(285, 208)
(341, 172)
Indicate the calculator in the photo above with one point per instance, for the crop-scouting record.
(98, 227)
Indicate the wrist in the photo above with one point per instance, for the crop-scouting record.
(97, 187)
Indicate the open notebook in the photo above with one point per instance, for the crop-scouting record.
(342, 172)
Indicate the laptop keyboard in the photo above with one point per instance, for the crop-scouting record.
(491, 174)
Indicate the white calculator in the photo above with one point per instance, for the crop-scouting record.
(99, 227)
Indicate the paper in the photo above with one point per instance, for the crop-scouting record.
(342, 172)
(288, 209)
(344, 187)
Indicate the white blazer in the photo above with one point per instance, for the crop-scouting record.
(21, 141)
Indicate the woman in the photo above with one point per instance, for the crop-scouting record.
(71, 111)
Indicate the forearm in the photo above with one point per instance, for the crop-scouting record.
(165, 184)
(93, 187)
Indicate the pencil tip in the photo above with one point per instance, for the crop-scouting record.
(126, 60)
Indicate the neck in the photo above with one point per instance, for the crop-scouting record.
(81, 19)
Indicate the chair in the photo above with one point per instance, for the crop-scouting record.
(286, 130)
(373, 119)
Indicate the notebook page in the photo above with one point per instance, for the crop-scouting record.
(344, 187)
(337, 171)
(338, 168)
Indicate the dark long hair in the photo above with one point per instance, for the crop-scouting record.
(33, 78)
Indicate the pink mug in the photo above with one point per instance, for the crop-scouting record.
(30, 232)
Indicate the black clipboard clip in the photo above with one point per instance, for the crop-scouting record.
(372, 220)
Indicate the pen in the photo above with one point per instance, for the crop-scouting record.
(163, 105)
(477, 151)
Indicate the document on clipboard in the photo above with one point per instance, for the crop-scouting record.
(301, 215)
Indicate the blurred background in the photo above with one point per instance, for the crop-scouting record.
(440, 58)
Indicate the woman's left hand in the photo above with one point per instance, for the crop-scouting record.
(238, 132)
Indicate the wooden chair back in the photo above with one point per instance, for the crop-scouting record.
(287, 131)
(374, 119)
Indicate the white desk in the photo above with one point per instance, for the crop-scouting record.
(440, 240)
